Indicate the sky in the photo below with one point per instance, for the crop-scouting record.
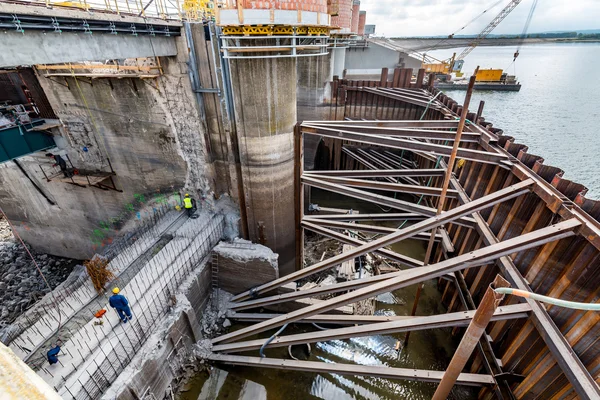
(442, 17)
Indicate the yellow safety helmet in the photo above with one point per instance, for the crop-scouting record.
(187, 195)
(116, 290)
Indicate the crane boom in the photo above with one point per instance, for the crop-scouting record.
(488, 29)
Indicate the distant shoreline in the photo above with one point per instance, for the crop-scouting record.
(421, 44)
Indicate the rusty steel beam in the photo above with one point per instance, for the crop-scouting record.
(350, 369)
(366, 228)
(387, 187)
(570, 364)
(377, 198)
(405, 144)
(365, 162)
(397, 257)
(370, 217)
(377, 173)
(468, 137)
(429, 124)
(480, 320)
(412, 276)
(449, 216)
(442, 234)
(406, 97)
(381, 328)
(335, 319)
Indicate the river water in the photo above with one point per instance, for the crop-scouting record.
(556, 113)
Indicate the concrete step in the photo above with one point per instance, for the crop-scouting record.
(212, 386)
(253, 391)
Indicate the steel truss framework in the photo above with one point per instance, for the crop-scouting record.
(373, 147)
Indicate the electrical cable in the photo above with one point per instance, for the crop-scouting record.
(14, 231)
(269, 340)
(550, 300)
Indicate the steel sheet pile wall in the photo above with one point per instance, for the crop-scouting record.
(568, 269)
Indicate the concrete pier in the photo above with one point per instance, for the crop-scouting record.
(264, 92)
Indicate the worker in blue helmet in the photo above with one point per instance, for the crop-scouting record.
(120, 304)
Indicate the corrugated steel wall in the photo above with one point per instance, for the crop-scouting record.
(568, 269)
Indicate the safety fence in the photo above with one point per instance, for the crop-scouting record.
(163, 9)
(102, 365)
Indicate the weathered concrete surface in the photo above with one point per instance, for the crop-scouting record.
(314, 93)
(265, 110)
(154, 140)
(361, 61)
(34, 47)
(243, 265)
(338, 57)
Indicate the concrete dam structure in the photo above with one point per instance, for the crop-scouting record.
(184, 161)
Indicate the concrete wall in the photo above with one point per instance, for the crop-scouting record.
(365, 60)
(34, 47)
(265, 111)
(153, 136)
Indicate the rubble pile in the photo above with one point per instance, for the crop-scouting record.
(20, 282)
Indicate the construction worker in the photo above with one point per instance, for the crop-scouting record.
(190, 205)
(120, 304)
(52, 354)
(61, 163)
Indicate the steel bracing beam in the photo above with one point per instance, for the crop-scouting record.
(470, 137)
(423, 226)
(446, 124)
(462, 318)
(376, 198)
(577, 374)
(316, 227)
(378, 173)
(384, 186)
(370, 217)
(412, 276)
(351, 369)
(405, 144)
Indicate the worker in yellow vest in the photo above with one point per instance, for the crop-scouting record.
(189, 204)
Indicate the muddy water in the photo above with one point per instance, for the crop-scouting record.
(430, 349)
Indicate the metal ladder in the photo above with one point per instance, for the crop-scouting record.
(214, 265)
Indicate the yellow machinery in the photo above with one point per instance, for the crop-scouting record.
(198, 9)
(489, 75)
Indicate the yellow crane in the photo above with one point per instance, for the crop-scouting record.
(455, 64)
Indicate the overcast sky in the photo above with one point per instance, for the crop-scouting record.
(442, 17)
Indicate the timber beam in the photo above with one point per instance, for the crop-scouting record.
(351, 369)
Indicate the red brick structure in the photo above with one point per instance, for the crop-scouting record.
(362, 19)
(343, 19)
(306, 5)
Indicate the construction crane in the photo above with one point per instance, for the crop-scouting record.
(455, 64)
(459, 61)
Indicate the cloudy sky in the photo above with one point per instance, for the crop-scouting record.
(442, 17)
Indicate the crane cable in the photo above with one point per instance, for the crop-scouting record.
(523, 35)
(14, 231)
(550, 300)
(433, 47)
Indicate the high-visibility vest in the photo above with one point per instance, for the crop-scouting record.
(187, 202)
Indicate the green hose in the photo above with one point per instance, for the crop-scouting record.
(550, 300)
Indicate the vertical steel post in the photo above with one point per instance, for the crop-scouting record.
(476, 328)
(442, 199)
